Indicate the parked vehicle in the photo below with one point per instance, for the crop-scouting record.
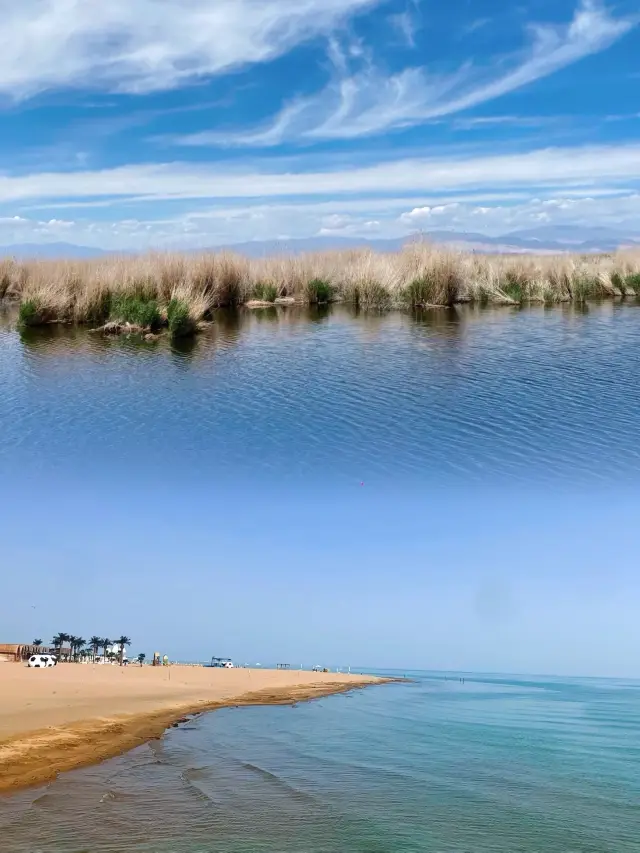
(221, 663)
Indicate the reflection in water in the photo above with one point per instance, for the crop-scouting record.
(337, 393)
(230, 325)
(445, 322)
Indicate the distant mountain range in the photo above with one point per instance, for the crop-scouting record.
(28, 251)
(560, 238)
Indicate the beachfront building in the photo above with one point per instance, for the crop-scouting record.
(16, 652)
(112, 656)
(9, 652)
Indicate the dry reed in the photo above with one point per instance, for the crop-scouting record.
(419, 275)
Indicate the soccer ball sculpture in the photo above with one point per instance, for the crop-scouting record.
(42, 660)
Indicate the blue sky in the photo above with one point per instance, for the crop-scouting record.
(194, 123)
(189, 123)
(247, 572)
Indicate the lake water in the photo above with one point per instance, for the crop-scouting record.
(462, 396)
(494, 765)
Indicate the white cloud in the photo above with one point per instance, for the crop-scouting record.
(146, 45)
(584, 214)
(406, 25)
(13, 220)
(59, 223)
(336, 222)
(372, 101)
(229, 223)
(420, 215)
(474, 26)
(552, 167)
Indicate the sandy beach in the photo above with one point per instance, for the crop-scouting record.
(53, 720)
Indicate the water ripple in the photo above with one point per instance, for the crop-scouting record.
(472, 396)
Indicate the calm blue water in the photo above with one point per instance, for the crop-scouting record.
(463, 396)
(497, 764)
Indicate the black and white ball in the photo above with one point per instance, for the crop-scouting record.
(42, 660)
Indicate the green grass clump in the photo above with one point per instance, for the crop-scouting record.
(135, 310)
(180, 322)
(515, 285)
(32, 313)
(29, 313)
(633, 281)
(265, 292)
(372, 294)
(617, 280)
(418, 292)
(426, 290)
(584, 287)
(319, 291)
(513, 290)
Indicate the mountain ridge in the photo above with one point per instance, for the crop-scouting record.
(545, 239)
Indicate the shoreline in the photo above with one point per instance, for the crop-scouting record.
(182, 291)
(37, 756)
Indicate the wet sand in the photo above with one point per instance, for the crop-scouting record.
(73, 715)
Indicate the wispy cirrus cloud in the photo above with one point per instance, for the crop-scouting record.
(406, 25)
(144, 46)
(370, 101)
(617, 165)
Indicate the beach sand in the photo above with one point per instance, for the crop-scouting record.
(73, 715)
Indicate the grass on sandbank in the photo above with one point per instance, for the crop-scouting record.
(31, 314)
(319, 292)
(265, 292)
(135, 310)
(176, 291)
(180, 322)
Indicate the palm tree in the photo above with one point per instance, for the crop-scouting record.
(37, 642)
(78, 643)
(72, 645)
(58, 641)
(95, 643)
(105, 642)
(141, 658)
(122, 642)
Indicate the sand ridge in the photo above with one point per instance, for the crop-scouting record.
(74, 715)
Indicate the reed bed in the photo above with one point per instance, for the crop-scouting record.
(179, 290)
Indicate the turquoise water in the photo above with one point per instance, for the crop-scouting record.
(494, 765)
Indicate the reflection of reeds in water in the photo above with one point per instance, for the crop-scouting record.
(420, 275)
(227, 330)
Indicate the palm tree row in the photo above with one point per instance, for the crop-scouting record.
(77, 645)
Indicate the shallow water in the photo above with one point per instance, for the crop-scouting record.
(469, 395)
(494, 765)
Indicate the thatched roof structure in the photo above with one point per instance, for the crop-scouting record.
(10, 651)
(21, 651)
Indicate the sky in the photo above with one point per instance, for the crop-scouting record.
(250, 574)
(139, 124)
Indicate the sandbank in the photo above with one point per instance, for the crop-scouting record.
(74, 715)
